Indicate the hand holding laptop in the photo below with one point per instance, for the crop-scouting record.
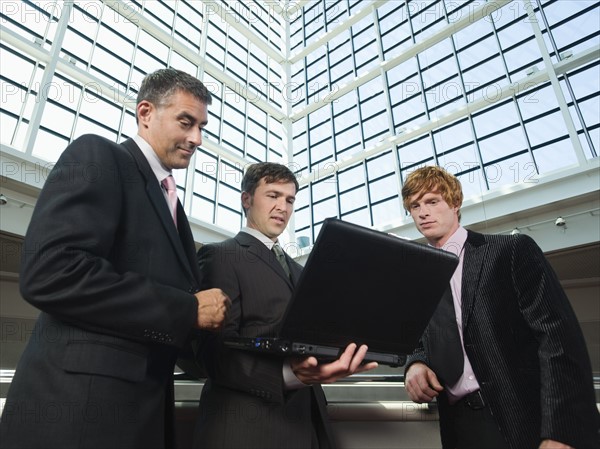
(309, 371)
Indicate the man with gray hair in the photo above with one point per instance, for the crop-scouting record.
(109, 259)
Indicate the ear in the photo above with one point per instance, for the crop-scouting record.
(246, 200)
(144, 112)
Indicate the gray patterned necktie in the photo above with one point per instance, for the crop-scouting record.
(280, 256)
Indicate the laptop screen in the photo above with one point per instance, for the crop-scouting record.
(368, 287)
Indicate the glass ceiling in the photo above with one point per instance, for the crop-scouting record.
(353, 95)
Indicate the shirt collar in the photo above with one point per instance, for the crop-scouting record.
(260, 236)
(456, 242)
(157, 168)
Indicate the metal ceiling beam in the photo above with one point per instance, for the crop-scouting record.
(344, 26)
(222, 10)
(509, 90)
(134, 16)
(450, 29)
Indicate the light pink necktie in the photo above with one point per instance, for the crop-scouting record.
(169, 184)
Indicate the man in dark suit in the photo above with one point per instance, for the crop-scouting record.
(251, 400)
(117, 284)
(523, 377)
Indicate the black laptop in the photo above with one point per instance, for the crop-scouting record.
(363, 286)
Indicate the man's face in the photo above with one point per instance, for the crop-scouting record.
(434, 218)
(270, 208)
(174, 129)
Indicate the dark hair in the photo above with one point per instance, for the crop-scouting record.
(158, 86)
(433, 179)
(270, 172)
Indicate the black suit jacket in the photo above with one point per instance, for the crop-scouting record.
(104, 262)
(525, 345)
(244, 402)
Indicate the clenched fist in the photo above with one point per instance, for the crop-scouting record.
(212, 308)
(421, 383)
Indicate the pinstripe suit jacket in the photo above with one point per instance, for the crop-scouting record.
(244, 402)
(525, 345)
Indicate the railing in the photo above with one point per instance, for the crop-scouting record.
(362, 397)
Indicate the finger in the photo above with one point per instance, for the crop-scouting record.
(416, 386)
(366, 367)
(342, 364)
(425, 392)
(420, 397)
(427, 397)
(347, 355)
(358, 358)
(418, 394)
(312, 362)
(433, 381)
(412, 394)
(307, 363)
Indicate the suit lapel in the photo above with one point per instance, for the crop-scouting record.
(295, 269)
(157, 199)
(187, 239)
(259, 249)
(475, 251)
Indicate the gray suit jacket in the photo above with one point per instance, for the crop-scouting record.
(244, 402)
(525, 345)
(113, 277)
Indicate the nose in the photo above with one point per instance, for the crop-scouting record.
(281, 203)
(195, 137)
(423, 210)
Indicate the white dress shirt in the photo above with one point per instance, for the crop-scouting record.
(157, 167)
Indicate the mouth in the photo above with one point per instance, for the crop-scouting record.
(187, 151)
(427, 223)
(279, 220)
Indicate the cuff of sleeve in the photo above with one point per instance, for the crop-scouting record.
(290, 381)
